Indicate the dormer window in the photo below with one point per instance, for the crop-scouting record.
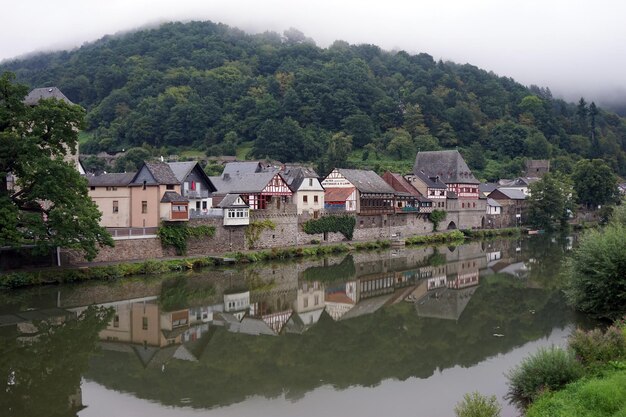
(169, 187)
(144, 184)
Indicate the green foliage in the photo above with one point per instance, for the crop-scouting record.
(177, 234)
(486, 233)
(551, 200)
(329, 224)
(49, 205)
(194, 84)
(548, 369)
(452, 236)
(254, 229)
(594, 397)
(595, 347)
(179, 292)
(435, 217)
(595, 183)
(596, 272)
(48, 364)
(478, 405)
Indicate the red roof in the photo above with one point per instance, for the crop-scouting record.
(338, 297)
(399, 183)
(337, 194)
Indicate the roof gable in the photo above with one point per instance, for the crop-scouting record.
(33, 98)
(244, 183)
(182, 170)
(449, 166)
(399, 183)
(155, 173)
(366, 181)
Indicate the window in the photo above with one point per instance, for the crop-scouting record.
(144, 184)
(204, 205)
(169, 187)
(316, 299)
(116, 208)
(93, 188)
(305, 302)
(116, 321)
(144, 207)
(305, 198)
(310, 182)
(315, 199)
(144, 323)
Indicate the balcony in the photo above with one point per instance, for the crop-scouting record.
(196, 194)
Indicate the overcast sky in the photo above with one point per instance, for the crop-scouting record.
(574, 47)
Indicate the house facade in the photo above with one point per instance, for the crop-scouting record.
(308, 192)
(155, 196)
(408, 198)
(430, 187)
(195, 186)
(259, 189)
(373, 195)
(112, 195)
(451, 169)
(235, 211)
(514, 206)
(339, 193)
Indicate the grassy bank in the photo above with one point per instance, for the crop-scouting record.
(20, 279)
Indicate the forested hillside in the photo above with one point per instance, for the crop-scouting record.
(210, 87)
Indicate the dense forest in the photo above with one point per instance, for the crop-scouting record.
(212, 88)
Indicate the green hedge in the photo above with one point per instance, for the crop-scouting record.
(482, 233)
(455, 235)
(176, 235)
(342, 224)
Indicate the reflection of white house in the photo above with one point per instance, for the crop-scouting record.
(310, 297)
(236, 302)
(436, 282)
(338, 304)
(235, 211)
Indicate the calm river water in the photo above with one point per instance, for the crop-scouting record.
(395, 333)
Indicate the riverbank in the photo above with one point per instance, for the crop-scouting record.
(118, 270)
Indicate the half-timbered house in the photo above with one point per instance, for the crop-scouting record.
(451, 169)
(408, 198)
(373, 194)
(431, 187)
(259, 189)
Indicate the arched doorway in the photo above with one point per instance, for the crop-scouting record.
(483, 223)
(451, 226)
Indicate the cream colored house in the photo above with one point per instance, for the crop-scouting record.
(308, 193)
(111, 193)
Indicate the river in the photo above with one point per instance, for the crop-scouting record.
(390, 333)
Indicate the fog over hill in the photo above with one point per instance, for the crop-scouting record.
(573, 47)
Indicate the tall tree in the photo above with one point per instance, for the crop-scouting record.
(551, 201)
(595, 183)
(47, 204)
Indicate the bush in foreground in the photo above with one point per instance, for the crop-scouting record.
(547, 370)
(595, 348)
(478, 405)
(596, 273)
(596, 397)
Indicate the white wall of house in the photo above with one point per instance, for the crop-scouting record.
(236, 216)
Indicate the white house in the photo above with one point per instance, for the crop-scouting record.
(235, 211)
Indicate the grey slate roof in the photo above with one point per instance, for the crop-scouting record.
(294, 175)
(43, 93)
(448, 165)
(110, 180)
(243, 183)
(366, 181)
(431, 182)
(249, 167)
(173, 197)
(493, 203)
(160, 171)
(182, 169)
(229, 201)
(487, 187)
(511, 193)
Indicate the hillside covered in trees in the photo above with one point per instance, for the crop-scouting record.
(212, 88)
